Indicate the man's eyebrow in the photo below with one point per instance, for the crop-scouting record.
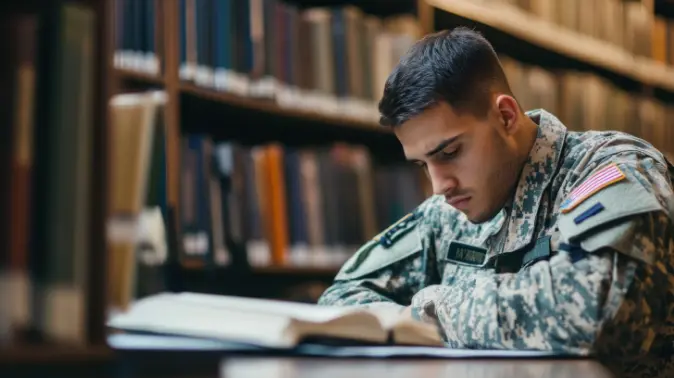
(442, 145)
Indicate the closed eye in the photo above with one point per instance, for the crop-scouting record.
(419, 163)
(448, 155)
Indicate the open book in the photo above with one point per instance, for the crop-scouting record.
(270, 323)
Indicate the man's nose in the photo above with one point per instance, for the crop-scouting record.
(441, 181)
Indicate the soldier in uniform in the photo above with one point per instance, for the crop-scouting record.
(536, 237)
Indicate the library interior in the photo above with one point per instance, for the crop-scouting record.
(206, 139)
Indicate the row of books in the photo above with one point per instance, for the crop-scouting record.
(240, 205)
(586, 101)
(630, 25)
(334, 60)
(287, 206)
(138, 43)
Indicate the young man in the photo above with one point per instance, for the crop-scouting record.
(536, 238)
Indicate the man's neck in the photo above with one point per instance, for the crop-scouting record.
(525, 140)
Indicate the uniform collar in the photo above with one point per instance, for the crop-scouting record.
(537, 173)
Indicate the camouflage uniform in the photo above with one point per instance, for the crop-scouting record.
(593, 275)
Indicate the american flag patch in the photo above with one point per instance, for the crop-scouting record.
(598, 181)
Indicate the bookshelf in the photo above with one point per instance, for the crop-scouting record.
(275, 107)
(598, 64)
(55, 78)
(550, 33)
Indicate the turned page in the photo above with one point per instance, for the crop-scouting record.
(405, 330)
(292, 310)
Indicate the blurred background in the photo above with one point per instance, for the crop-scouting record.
(232, 146)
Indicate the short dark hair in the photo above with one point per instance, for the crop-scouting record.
(458, 66)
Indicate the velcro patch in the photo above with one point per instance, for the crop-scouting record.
(597, 181)
(374, 256)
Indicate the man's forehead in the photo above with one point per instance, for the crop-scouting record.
(424, 132)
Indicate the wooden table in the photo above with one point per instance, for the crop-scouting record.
(302, 367)
(340, 368)
(205, 360)
(199, 359)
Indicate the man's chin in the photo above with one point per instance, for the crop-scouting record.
(479, 217)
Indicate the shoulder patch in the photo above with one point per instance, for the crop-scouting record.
(599, 180)
(398, 241)
(387, 237)
(595, 222)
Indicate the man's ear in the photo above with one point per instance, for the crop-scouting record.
(509, 113)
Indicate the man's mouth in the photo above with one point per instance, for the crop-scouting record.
(459, 202)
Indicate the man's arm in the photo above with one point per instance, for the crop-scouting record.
(606, 290)
(391, 286)
(387, 270)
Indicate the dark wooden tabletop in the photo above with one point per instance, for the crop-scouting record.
(346, 368)
(147, 355)
(196, 366)
(159, 356)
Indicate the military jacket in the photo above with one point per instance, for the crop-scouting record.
(580, 262)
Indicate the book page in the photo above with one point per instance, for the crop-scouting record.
(164, 314)
(405, 329)
(264, 321)
(299, 311)
(388, 313)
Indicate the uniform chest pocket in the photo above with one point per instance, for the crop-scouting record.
(451, 273)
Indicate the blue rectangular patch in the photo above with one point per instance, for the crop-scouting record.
(594, 210)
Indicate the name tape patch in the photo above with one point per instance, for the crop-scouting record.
(466, 254)
(599, 180)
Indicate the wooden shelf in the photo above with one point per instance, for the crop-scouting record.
(272, 270)
(126, 74)
(265, 106)
(252, 121)
(46, 354)
(272, 108)
(519, 24)
(295, 270)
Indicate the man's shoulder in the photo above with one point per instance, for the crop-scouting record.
(586, 148)
(588, 153)
(610, 175)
